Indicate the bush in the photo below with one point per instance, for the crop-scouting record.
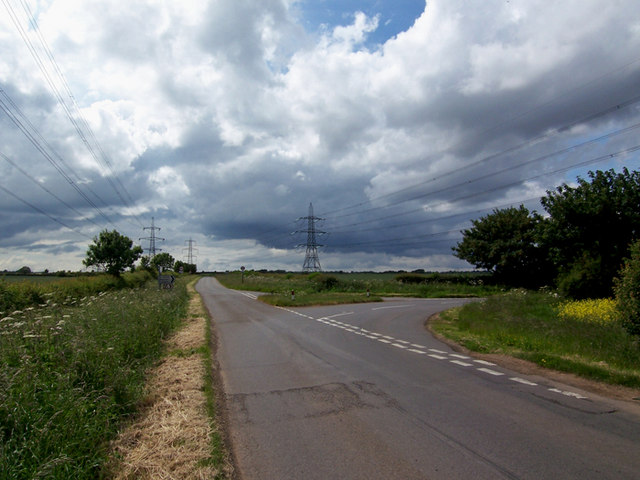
(585, 279)
(627, 290)
(323, 282)
(411, 278)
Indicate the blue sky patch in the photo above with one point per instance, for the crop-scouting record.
(395, 16)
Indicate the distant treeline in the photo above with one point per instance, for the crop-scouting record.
(458, 278)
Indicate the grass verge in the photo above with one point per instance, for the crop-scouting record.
(176, 433)
(71, 373)
(527, 325)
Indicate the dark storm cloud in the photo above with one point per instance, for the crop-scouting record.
(225, 120)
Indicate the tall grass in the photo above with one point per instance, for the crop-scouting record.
(580, 338)
(16, 295)
(71, 372)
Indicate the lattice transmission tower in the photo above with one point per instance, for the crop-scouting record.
(311, 260)
(190, 251)
(152, 239)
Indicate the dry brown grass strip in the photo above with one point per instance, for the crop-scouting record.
(171, 439)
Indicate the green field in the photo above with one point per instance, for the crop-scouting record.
(331, 288)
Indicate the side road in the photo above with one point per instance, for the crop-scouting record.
(174, 435)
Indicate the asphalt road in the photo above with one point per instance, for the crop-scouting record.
(365, 392)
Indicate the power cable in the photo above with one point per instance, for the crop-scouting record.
(38, 142)
(488, 175)
(40, 185)
(105, 162)
(507, 185)
(614, 108)
(39, 210)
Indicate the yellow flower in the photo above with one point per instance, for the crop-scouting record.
(596, 311)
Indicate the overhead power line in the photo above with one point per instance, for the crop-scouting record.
(589, 118)
(42, 187)
(17, 117)
(39, 210)
(500, 172)
(396, 241)
(72, 111)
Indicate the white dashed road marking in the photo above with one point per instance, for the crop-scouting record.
(461, 363)
(568, 394)
(523, 381)
(490, 372)
(434, 353)
(484, 362)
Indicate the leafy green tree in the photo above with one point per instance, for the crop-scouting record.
(145, 263)
(163, 260)
(627, 290)
(186, 267)
(112, 252)
(589, 230)
(505, 243)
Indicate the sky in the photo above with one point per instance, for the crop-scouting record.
(220, 122)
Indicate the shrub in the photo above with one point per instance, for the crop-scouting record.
(324, 282)
(627, 290)
(411, 278)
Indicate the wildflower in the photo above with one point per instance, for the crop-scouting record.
(601, 311)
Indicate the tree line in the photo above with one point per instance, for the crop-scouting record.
(114, 253)
(579, 246)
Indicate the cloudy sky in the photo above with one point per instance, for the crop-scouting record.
(223, 120)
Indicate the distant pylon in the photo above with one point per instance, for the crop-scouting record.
(152, 239)
(311, 260)
(190, 249)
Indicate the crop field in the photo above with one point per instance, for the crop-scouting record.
(72, 370)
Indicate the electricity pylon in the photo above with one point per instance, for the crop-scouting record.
(190, 250)
(152, 239)
(311, 260)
